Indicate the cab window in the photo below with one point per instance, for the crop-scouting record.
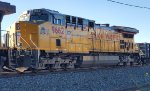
(73, 20)
(91, 25)
(80, 21)
(68, 19)
(39, 17)
(58, 19)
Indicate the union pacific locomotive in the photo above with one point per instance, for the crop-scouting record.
(47, 39)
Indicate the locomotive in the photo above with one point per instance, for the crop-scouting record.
(47, 39)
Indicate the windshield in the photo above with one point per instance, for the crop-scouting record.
(42, 17)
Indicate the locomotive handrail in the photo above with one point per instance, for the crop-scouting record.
(35, 46)
(33, 42)
(25, 41)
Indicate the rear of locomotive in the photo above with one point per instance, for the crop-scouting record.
(112, 46)
(128, 49)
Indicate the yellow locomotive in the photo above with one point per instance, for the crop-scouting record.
(44, 38)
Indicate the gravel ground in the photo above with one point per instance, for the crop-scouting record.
(97, 80)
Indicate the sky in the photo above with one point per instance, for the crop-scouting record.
(102, 11)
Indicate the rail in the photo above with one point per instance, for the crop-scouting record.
(33, 42)
(25, 41)
(35, 46)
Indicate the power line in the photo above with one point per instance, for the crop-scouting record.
(131, 5)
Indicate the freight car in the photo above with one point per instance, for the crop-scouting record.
(47, 39)
(145, 51)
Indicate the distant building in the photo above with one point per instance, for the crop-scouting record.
(145, 48)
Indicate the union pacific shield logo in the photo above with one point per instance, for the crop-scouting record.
(43, 31)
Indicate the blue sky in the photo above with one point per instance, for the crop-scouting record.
(102, 11)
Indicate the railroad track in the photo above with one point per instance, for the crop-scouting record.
(58, 71)
(43, 72)
(142, 88)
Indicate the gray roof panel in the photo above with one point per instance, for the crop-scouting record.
(125, 29)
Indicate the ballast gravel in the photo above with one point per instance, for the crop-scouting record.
(109, 79)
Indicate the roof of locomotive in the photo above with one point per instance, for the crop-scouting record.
(125, 29)
(54, 13)
(106, 27)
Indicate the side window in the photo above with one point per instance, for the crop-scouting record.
(73, 20)
(125, 44)
(57, 21)
(97, 26)
(128, 35)
(54, 20)
(122, 44)
(91, 24)
(121, 41)
(58, 42)
(132, 45)
(68, 19)
(17, 26)
(80, 21)
(85, 23)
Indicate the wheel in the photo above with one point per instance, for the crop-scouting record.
(1, 66)
(50, 67)
(33, 70)
(131, 63)
(64, 66)
(124, 63)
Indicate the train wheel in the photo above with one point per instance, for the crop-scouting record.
(50, 67)
(57, 65)
(71, 64)
(33, 70)
(131, 63)
(1, 66)
(124, 63)
(64, 66)
(76, 66)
